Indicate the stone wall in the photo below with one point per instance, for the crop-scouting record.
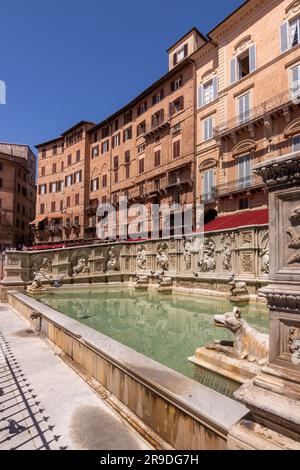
(194, 262)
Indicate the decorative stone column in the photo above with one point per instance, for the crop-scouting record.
(273, 397)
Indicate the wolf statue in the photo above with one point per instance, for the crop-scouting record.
(248, 343)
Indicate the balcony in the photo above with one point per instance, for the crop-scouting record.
(55, 228)
(260, 114)
(209, 198)
(157, 125)
(179, 179)
(238, 186)
(92, 207)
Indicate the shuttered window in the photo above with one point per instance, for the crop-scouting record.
(295, 82)
(244, 108)
(208, 184)
(208, 128)
(244, 171)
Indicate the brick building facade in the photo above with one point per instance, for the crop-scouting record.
(228, 101)
(17, 194)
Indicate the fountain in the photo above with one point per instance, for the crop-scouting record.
(273, 397)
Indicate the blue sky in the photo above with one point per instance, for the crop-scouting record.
(68, 60)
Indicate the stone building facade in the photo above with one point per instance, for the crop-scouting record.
(228, 102)
(17, 194)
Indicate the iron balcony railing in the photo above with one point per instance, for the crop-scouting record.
(259, 112)
(250, 182)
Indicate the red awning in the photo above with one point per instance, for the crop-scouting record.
(239, 219)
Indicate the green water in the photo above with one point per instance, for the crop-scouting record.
(166, 328)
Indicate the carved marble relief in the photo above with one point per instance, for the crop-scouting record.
(247, 238)
(187, 254)
(247, 263)
(162, 257)
(227, 242)
(13, 261)
(294, 345)
(141, 259)
(113, 263)
(207, 256)
(264, 254)
(294, 236)
(80, 267)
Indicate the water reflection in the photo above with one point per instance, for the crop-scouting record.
(164, 327)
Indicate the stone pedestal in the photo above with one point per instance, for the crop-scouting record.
(273, 397)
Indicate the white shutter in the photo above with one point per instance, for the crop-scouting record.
(200, 96)
(296, 143)
(252, 58)
(215, 87)
(284, 37)
(296, 82)
(233, 70)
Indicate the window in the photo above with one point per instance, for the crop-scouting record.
(76, 220)
(127, 157)
(42, 209)
(116, 176)
(295, 71)
(105, 146)
(208, 184)
(54, 168)
(62, 166)
(176, 84)
(244, 171)
(141, 148)
(176, 105)
(177, 128)
(208, 92)
(243, 65)
(105, 132)
(77, 197)
(157, 97)
(61, 206)
(53, 187)
(141, 165)
(43, 171)
(95, 137)
(157, 118)
(53, 206)
(95, 151)
(208, 128)
(244, 108)
(141, 129)
(78, 176)
(127, 117)
(127, 134)
(44, 153)
(43, 189)
(176, 149)
(78, 156)
(55, 150)
(116, 140)
(1, 166)
(116, 125)
(69, 160)
(69, 180)
(127, 171)
(243, 204)
(296, 143)
(95, 184)
(157, 155)
(181, 54)
(68, 203)
(142, 108)
(104, 181)
(116, 162)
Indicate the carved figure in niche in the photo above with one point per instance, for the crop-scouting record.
(237, 288)
(207, 260)
(81, 267)
(187, 254)
(141, 259)
(112, 264)
(248, 343)
(227, 253)
(162, 257)
(294, 236)
(265, 257)
(294, 346)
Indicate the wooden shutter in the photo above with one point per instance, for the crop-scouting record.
(175, 59)
(284, 37)
(252, 58)
(233, 70)
(186, 49)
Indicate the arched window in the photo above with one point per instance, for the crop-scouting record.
(208, 184)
